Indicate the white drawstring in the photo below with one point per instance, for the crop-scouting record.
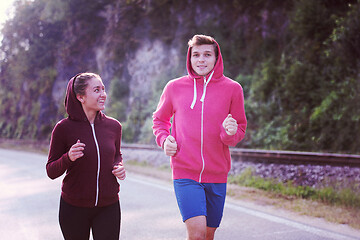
(205, 85)
(204, 92)
(195, 95)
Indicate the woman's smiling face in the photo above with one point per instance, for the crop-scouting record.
(95, 95)
(203, 59)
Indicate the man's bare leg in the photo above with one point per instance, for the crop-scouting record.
(197, 229)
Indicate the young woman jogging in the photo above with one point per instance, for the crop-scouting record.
(86, 146)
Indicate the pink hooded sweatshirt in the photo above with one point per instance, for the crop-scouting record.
(199, 105)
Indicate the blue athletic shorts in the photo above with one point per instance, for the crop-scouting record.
(200, 199)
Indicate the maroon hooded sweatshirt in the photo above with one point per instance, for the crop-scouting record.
(89, 180)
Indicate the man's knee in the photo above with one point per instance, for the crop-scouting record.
(196, 228)
(197, 236)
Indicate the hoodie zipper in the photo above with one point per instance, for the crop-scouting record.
(202, 100)
(202, 141)
(98, 168)
(202, 126)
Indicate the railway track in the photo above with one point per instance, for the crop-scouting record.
(278, 157)
(239, 154)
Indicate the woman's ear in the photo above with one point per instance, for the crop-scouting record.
(80, 98)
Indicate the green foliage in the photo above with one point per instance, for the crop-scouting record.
(311, 20)
(324, 106)
(305, 99)
(118, 94)
(345, 196)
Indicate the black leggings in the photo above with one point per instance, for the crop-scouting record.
(75, 222)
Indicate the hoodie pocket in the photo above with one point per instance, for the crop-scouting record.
(187, 157)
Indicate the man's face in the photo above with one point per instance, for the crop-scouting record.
(203, 59)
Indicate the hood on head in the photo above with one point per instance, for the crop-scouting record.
(72, 104)
(218, 68)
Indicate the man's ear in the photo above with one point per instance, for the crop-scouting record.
(80, 98)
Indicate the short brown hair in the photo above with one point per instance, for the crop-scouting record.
(199, 39)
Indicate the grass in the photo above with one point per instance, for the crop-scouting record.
(344, 197)
(339, 206)
(306, 207)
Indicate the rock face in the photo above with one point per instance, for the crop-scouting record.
(136, 46)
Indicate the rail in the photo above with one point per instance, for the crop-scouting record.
(278, 157)
(241, 154)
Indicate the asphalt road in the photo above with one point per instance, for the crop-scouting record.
(29, 203)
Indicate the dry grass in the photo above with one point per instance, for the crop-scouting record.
(331, 213)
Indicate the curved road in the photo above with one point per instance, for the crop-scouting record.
(29, 209)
